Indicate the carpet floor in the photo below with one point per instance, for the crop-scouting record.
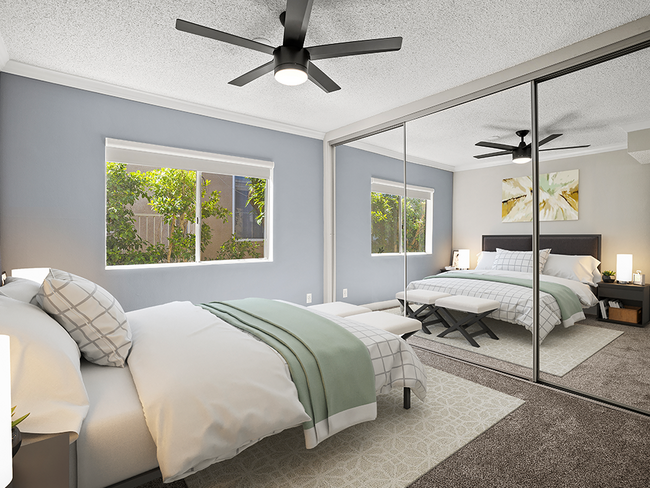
(553, 440)
(619, 370)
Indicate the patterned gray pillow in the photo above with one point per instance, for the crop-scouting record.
(91, 315)
(519, 260)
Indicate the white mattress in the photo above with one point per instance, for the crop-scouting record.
(114, 443)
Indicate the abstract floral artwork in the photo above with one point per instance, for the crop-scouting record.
(558, 197)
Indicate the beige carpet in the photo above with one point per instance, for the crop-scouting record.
(561, 351)
(392, 451)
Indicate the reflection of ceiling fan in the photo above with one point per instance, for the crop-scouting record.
(520, 153)
(292, 63)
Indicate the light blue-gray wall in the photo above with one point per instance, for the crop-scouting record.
(52, 176)
(376, 278)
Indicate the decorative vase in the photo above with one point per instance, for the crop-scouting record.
(609, 279)
(16, 440)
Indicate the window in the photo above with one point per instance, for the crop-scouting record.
(387, 212)
(168, 205)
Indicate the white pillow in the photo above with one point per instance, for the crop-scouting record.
(486, 259)
(91, 315)
(46, 378)
(20, 289)
(577, 268)
(518, 260)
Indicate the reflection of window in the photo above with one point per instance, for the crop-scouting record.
(247, 223)
(387, 213)
(167, 205)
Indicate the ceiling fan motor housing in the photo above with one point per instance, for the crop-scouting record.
(287, 57)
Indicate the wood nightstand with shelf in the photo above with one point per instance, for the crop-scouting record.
(631, 295)
(42, 461)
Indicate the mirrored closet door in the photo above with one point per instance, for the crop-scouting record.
(601, 189)
(486, 203)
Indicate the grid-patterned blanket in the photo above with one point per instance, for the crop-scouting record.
(394, 362)
(516, 301)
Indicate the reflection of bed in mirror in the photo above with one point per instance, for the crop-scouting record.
(569, 275)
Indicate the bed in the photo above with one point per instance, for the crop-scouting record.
(171, 389)
(570, 272)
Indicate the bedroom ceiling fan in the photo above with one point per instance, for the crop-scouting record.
(522, 153)
(292, 62)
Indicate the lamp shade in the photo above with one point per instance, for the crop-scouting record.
(463, 258)
(624, 267)
(6, 461)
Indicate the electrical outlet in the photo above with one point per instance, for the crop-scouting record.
(308, 297)
(345, 292)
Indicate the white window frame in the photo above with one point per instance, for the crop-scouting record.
(378, 185)
(156, 156)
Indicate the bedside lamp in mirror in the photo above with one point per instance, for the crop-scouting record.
(624, 268)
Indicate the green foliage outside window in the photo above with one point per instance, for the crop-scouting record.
(171, 193)
(386, 217)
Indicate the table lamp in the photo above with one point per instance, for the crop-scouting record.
(624, 268)
(463, 258)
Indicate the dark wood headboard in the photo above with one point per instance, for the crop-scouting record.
(572, 244)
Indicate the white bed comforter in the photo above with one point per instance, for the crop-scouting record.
(516, 301)
(209, 390)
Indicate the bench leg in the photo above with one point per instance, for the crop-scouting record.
(427, 311)
(469, 320)
(407, 398)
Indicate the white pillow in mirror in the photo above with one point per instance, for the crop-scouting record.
(576, 268)
(486, 259)
(519, 260)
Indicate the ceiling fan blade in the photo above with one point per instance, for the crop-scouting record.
(489, 155)
(566, 147)
(295, 22)
(354, 48)
(200, 30)
(548, 139)
(496, 145)
(253, 74)
(321, 79)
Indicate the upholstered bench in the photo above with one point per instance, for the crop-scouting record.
(341, 309)
(427, 313)
(476, 309)
(390, 322)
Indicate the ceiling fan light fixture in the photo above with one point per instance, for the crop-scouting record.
(521, 155)
(291, 76)
(290, 65)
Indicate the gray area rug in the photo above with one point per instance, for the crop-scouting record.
(560, 352)
(392, 451)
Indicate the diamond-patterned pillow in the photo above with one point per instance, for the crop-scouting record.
(519, 260)
(91, 315)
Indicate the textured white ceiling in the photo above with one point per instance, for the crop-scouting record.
(133, 43)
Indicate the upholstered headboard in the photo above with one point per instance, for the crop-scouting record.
(572, 244)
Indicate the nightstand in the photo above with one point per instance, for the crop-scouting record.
(630, 295)
(42, 461)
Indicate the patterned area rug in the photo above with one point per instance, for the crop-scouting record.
(392, 451)
(562, 350)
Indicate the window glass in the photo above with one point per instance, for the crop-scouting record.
(152, 215)
(387, 208)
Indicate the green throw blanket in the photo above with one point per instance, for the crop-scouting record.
(565, 297)
(330, 367)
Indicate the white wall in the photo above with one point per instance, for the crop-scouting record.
(614, 202)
